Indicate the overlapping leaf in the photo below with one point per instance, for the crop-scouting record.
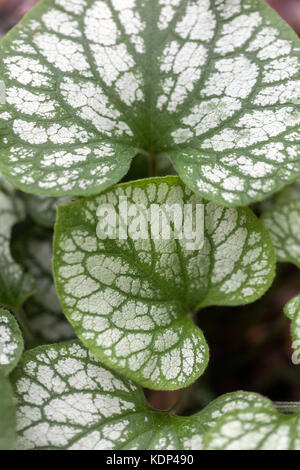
(11, 342)
(15, 285)
(129, 300)
(260, 429)
(283, 223)
(292, 310)
(212, 83)
(67, 399)
(7, 415)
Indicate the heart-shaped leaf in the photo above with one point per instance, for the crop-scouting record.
(67, 399)
(255, 429)
(129, 299)
(11, 342)
(7, 415)
(283, 223)
(15, 285)
(214, 84)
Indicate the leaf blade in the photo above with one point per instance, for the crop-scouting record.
(67, 399)
(129, 300)
(11, 342)
(220, 97)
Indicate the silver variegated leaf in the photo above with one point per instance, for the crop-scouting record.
(15, 285)
(283, 223)
(130, 300)
(214, 84)
(255, 429)
(11, 342)
(67, 399)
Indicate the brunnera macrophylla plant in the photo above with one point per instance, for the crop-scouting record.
(283, 223)
(211, 85)
(214, 84)
(129, 300)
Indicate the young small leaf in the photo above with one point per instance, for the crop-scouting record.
(283, 223)
(292, 309)
(7, 415)
(11, 342)
(67, 399)
(255, 429)
(15, 285)
(212, 83)
(129, 300)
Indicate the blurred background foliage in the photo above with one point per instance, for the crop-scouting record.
(250, 346)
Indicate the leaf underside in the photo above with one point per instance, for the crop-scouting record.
(214, 84)
(67, 399)
(129, 300)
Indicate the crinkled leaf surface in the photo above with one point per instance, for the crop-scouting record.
(283, 223)
(212, 83)
(15, 285)
(67, 399)
(11, 342)
(129, 300)
(7, 415)
(260, 429)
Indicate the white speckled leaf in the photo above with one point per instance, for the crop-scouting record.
(212, 83)
(11, 342)
(67, 399)
(129, 300)
(7, 414)
(15, 285)
(283, 223)
(250, 429)
(292, 311)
